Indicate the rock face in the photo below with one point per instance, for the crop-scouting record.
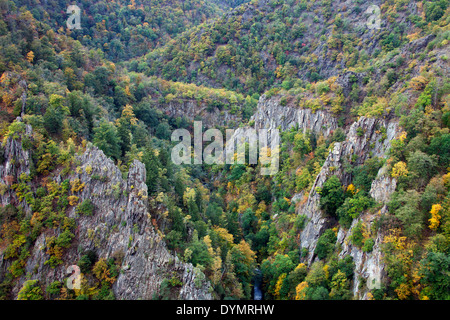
(364, 138)
(16, 161)
(120, 226)
(271, 115)
(369, 265)
(193, 110)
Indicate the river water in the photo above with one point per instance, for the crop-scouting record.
(257, 282)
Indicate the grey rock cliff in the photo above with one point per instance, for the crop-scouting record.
(369, 265)
(193, 110)
(363, 144)
(16, 161)
(364, 138)
(271, 115)
(120, 226)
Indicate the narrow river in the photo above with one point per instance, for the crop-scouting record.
(257, 282)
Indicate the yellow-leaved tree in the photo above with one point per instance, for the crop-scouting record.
(300, 290)
(279, 285)
(435, 216)
(399, 170)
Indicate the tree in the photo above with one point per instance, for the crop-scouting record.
(54, 114)
(300, 291)
(435, 216)
(399, 170)
(152, 166)
(406, 206)
(30, 291)
(249, 221)
(200, 254)
(162, 131)
(434, 269)
(107, 139)
(421, 166)
(352, 208)
(440, 146)
(339, 286)
(243, 260)
(317, 275)
(272, 270)
(325, 244)
(332, 195)
(125, 124)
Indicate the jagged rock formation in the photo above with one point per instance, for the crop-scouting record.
(120, 226)
(16, 161)
(361, 145)
(364, 138)
(369, 265)
(271, 115)
(193, 110)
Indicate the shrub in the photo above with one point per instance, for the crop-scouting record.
(352, 208)
(175, 282)
(86, 207)
(87, 261)
(357, 236)
(368, 245)
(73, 200)
(65, 239)
(54, 288)
(332, 195)
(30, 291)
(325, 244)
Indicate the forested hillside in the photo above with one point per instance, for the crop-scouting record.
(270, 42)
(124, 29)
(360, 206)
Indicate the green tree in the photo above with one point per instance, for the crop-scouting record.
(152, 166)
(30, 291)
(440, 146)
(107, 139)
(325, 244)
(332, 195)
(54, 114)
(421, 166)
(406, 207)
(340, 286)
(162, 131)
(434, 269)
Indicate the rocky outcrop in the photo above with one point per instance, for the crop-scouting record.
(120, 227)
(16, 160)
(364, 138)
(367, 137)
(271, 115)
(383, 186)
(369, 266)
(193, 110)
